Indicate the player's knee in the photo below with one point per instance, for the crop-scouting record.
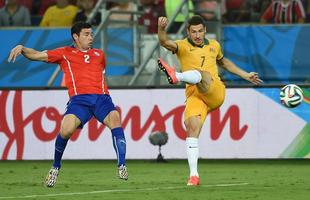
(192, 127)
(205, 82)
(115, 117)
(206, 78)
(66, 131)
(113, 120)
(192, 130)
(69, 124)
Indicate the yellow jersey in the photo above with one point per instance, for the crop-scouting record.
(201, 58)
(55, 16)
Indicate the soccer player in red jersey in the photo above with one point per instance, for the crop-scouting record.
(84, 69)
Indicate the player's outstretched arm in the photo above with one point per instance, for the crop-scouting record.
(31, 54)
(162, 35)
(231, 67)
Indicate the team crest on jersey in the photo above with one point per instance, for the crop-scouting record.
(212, 50)
(96, 53)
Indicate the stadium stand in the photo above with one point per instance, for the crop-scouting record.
(132, 57)
(151, 11)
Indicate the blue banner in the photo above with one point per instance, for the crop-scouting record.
(25, 73)
(280, 54)
(302, 110)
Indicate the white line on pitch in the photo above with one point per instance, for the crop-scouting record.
(120, 190)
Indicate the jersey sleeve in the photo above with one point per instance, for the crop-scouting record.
(55, 55)
(219, 51)
(180, 47)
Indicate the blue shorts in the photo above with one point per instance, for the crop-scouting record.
(85, 106)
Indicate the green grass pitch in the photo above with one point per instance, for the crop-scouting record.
(220, 179)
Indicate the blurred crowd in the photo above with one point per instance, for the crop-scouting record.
(60, 13)
(53, 13)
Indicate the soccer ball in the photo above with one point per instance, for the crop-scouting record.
(291, 95)
(158, 138)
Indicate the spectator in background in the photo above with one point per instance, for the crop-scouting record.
(238, 11)
(61, 14)
(258, 8)
(209, 9)
(306, 4)
(13, 14)
(27, 3)
(171, 7)
(121, 6)
(39, 7)
(86, 8)
(152, 10)
(284, 11)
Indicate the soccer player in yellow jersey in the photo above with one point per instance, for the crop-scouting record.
(204, 89)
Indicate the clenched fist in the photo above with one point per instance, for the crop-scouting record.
(162, 22)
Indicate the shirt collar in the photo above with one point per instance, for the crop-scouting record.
(206, 42)
(73, 46)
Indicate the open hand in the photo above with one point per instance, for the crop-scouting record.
(16, 51)
(254, 78)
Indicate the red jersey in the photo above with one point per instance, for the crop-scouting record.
(84, 70)
(278, 12)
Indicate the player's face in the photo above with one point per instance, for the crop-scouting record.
(197, 34)
(85, 40)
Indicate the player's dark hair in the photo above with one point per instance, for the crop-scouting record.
(195, 20)
(77, 28)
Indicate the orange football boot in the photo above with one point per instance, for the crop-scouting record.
(193, 181)
(170, 71)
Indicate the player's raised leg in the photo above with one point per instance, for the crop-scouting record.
(206, 80)
(69, 124)
(173, 77)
